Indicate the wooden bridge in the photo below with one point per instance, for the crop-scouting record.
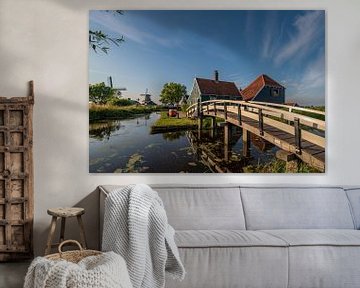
(298, 131)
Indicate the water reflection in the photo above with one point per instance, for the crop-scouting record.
(127, 146)
(171, 136)
(260, 144)
(103, 129)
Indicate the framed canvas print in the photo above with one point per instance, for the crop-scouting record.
(206, 91)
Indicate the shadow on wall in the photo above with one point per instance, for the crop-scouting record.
(58, 157)
(101, 5)
(91, 219)
(35, 50)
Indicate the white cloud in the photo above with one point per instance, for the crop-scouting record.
(266, 51)
(314, 75)
(241, 80)
(308, 28)
(310, 86)
(270, 35)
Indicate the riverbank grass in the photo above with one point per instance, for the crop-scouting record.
(101, 112)
(278, 166)
(168, 124)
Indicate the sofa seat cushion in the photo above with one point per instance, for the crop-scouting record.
(225, 238)
(317, 237)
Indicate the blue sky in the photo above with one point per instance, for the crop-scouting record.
(176, 46)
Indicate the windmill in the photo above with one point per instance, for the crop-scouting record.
(118, 92)
(147, 96)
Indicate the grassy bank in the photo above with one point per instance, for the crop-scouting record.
(168, 124)
(313, 115)
(277, 166)
(99, 112)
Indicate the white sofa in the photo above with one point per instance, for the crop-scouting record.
(242, 236)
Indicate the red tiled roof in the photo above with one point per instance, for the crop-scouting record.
(221, 88)
(254, 88)
(291, 104)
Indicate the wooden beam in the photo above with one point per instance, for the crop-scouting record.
(31, 92)
(227, 136)
(239, 114)
(246, 143)
(261, 122)
(297, 135)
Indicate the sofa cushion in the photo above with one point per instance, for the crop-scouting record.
(204, 208)
(315, 237)
(220, 267)
(324, 266)
(226, 238)
(296, 208)
(322, 258)
(199, 207)
(354, 198)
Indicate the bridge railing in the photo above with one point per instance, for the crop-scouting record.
(294, 109)
(303, 123)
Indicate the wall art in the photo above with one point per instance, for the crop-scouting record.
(207, 91)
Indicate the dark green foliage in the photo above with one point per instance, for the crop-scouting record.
(100, 93)
(120, 102)
(172, 93)
(184, 107)
(98, 112)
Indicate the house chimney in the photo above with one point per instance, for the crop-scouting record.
(216, 75)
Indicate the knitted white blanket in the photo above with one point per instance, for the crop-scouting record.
(103, 271)
(136, 227)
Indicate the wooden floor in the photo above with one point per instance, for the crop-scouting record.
(310, 153)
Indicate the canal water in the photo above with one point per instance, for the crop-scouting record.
(127, 146)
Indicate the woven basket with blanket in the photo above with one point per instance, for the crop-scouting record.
(80, 268)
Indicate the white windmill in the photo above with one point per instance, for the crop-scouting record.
(147, 98)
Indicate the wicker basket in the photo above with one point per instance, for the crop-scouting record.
(72, 256)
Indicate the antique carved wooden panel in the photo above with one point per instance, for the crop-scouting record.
(16, 177)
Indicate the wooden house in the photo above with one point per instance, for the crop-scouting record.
(212, 89)
(264, 89)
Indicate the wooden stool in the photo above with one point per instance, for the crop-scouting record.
(64, 213)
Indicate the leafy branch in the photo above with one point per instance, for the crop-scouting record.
(99, 41)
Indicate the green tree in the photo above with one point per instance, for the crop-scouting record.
(172, 93)
(99, 41)
(100, 93)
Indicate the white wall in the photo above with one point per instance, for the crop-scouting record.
(47, 41)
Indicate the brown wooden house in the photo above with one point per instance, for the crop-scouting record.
(212, 89)
(264, 89)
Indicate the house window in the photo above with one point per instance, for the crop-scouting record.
(275, 92)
